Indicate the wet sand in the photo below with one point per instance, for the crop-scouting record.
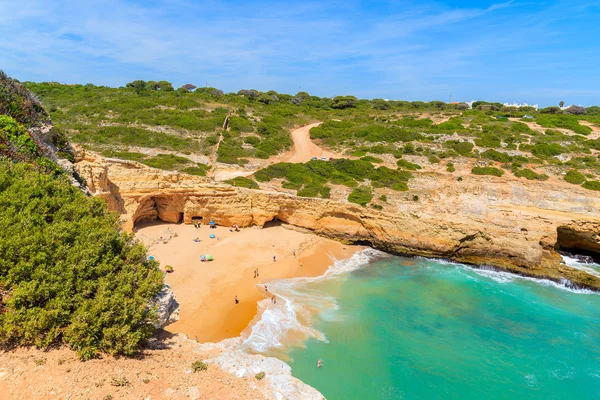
(206, 290)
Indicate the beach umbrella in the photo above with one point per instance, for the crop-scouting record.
(212, 236)
(151, 258)
(209, 257)
(212, 222)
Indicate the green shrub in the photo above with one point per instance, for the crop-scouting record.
(462, 148)
(529, 174)
(361, 195)
(543, 150)
(562, 121)
(575, 177)
(325, 192)
(84, 283)
(377, 207)
(242, 181)
(383, 198)
(260, 376)
(198, 366)
(415, 198)
(372, 159)
(19, 103)
(166, 161)
(592, 185)
(487, 171)
(407, 165)
(433, 160)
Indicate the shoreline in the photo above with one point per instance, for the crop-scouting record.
(206, 290)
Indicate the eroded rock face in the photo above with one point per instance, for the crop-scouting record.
(167, 307)
(580, 236)
(510, 225)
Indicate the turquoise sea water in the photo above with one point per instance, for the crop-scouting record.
(400, 328)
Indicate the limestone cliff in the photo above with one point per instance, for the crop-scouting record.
(509, 225)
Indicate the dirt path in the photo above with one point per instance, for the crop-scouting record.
(304, 149)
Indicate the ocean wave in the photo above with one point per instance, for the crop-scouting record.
(508, 277)
(589, 267)
(289, 322)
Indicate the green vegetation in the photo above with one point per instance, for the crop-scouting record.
(18, 102)
(372, 159)
(592, 185)
(361, 195)
(575, 177)
(198, 366)
(562, 121)
(68, 274)
(260, 376)
(310, 178)
(462, 148)
(242, 181)
(487, 171)
(529, 174)
(407, 165)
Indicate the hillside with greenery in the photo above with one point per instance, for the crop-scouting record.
(67, 272)
(155, 124)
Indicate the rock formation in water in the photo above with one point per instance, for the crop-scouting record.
(508, 224)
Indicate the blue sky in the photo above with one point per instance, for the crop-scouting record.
(521, 50)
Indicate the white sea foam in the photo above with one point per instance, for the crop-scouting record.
(289, 321)
(590, 268)
(507, 277)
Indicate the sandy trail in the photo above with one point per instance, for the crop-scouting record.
(206, 290)
(304, 149)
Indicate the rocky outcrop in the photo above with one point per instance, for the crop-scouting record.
(166, 305)
(278, 379)
(506, 224)
(580, 236)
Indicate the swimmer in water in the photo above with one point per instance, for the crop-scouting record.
(319, 363)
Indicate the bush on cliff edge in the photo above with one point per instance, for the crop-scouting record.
(67, 274)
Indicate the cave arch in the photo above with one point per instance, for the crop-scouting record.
(578, 240)
(159, 208)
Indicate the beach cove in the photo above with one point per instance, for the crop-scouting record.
(206, 291)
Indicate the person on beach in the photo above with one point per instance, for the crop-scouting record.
(266, 290)
(274, 300)
(274, 259)
(294, 252)
(254, 273)
(236, 300)
(257, 274)
(319, 363)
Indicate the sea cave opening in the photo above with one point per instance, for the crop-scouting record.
(272, 223)
(578, 243)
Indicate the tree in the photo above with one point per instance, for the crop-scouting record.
(160, 85)
(561, 104)
(576, 110)
(341, 102)
(188, 87)
(137, 85)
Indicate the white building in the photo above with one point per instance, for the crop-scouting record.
(519, 105)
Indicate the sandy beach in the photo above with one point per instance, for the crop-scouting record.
(206, 290)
